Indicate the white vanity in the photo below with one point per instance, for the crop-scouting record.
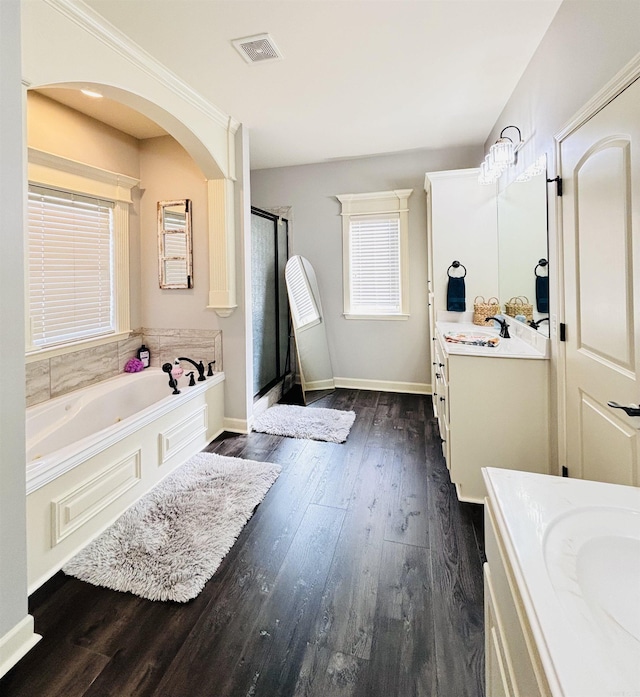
(562, 587)
(492, 405)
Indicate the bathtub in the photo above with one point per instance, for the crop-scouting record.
(93, 452)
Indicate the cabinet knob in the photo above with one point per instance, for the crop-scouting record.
(438, 376)
(441, 365)
(442, 399)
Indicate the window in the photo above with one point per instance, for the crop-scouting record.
(70, 247)
(375, 255)
(77, 255)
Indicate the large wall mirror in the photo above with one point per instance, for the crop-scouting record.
(175, 261)
(523, 247)
(314, 363)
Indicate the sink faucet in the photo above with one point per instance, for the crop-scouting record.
(504, 327)
(198, 366)
(535, 324)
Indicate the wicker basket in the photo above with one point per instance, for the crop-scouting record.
(519, 306)
(484, 308)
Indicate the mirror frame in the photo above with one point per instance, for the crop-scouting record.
(163, 257)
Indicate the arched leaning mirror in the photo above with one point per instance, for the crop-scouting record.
(314, 363)
(175, 264)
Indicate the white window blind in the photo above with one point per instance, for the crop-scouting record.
(375, 265)
(70, 266)
(303, 306)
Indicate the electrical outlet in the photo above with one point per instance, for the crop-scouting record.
(554, 325)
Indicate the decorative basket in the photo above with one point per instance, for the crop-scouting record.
(484, 308)
(519, 305)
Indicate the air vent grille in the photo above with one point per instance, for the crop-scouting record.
(257, 49)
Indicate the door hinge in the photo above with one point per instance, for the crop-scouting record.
(565, 471)
(558, 181)
(563, 331)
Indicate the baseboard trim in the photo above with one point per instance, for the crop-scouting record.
(384, 385)
(237, 425)
(16, 643)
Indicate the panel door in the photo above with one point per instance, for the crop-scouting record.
(600, 164)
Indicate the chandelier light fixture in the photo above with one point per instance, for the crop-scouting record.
(502, 154)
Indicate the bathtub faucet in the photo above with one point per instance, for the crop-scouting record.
(198, 366)
(173, 383)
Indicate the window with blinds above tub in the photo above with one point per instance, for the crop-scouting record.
(70, 266)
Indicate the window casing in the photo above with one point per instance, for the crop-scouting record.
(375, 255)
(77, 256)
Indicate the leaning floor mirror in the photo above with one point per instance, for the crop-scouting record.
(314, 362)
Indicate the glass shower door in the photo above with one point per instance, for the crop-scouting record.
(270, 310)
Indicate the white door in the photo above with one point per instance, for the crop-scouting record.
(600, 165)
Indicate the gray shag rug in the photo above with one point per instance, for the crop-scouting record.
(306, 422)
(169, 543)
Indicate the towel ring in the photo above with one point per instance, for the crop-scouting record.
(455, 265)
(543, 263)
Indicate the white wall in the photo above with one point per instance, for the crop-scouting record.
(16, 626)
(394, 351)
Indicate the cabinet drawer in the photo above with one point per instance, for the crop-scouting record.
(523, 663)
(499, 682)
(441, 363)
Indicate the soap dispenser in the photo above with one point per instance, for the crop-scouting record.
(144, 355)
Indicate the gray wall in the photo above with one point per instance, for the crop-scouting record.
(396, 351)
(588, 42)
(13, 561)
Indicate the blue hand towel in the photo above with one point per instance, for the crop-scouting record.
(542, 293)
(456, 301)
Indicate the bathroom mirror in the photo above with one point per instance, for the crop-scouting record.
(314, 363)
(175, 263)
(523, 242)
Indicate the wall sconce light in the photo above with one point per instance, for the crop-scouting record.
(502, 154)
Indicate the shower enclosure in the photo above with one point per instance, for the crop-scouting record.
(270, 307)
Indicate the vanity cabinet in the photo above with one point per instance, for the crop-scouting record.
(492, 412)
(512, 662)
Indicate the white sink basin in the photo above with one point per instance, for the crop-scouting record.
(608, 571)
(574, 546)
(592, 557)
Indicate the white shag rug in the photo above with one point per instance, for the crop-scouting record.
(169, 544)
(306, 422)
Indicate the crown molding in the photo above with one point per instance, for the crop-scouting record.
(623, 79)
(95, 24)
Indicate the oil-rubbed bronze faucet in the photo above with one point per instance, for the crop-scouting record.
(198, 366)
(504, 327)
(173, 383)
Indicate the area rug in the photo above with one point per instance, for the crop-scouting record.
(169, 544)
(306, 422)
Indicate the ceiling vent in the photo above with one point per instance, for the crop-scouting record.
(257, 49)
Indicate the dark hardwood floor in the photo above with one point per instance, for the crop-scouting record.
(359, 575)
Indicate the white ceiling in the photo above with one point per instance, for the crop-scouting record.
(359, 77)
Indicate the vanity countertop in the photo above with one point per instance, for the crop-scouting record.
(574, 548)
(515, 347)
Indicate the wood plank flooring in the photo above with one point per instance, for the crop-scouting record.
(359, 575)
